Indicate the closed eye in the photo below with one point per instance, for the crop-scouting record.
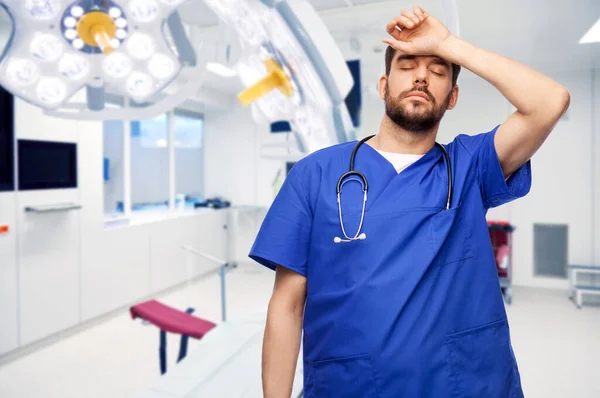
(406, 65)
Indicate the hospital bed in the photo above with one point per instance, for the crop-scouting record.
(225, 363)
(227, 359)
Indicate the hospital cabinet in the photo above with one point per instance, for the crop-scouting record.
(9, 332)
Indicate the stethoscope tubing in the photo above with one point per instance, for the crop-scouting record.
(365, 186)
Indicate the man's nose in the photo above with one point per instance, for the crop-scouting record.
(421, 78)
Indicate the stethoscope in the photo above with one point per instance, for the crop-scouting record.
(365, 186)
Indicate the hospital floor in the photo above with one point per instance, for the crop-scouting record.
(557, 346)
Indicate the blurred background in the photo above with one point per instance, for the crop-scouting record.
(145, 215)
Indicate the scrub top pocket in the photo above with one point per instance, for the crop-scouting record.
(481, 363)
(450, 235)
(348, 377)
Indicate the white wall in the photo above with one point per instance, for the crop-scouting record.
(235, 170)
(232, 168)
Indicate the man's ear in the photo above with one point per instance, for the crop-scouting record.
(382, 84)
(453, 98)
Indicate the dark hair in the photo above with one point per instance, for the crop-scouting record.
(389, 57)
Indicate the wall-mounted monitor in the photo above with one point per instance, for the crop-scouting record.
(7, 159)
(47, 165)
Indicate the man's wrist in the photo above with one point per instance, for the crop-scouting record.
(455, 50)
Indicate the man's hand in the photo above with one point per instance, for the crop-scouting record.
(420, 34)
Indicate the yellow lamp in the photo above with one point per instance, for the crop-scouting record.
(276, 79)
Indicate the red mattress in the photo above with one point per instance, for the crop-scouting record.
(171, 320)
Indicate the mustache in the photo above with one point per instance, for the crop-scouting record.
(421, 89)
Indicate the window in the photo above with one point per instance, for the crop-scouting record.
(149, 163)
(189, 130)
(113, 167)
(150, 133)
(189, 157)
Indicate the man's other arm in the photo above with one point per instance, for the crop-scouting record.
(283, 331)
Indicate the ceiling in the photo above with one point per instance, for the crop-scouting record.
(197, 13)
(536, 31)
(543, 34)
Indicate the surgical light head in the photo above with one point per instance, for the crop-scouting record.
(292, 68)
(58, 47)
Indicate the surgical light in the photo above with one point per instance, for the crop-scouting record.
(70, 22)
(117, 65)
(161, 66)
(42, 9)
(291, 67)
(121, 23)
(143, 10)
(78, 44)
(76, 11)
(74, 67)
(70, 34)
(58, 47)
(115, 12)
(140, 46)
(22, 72)
(46, 47)
(139, 84)
(51, 90)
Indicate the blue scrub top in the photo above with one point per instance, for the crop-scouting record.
(414, 310)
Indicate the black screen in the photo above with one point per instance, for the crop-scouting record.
(7, 182)
(288, 167)
(281, 127)
(47, 165)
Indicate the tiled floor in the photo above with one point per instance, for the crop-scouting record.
(557, 346)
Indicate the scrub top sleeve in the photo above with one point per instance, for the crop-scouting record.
(284, 236)
(495, 189)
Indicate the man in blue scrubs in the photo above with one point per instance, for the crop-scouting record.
(414, 308)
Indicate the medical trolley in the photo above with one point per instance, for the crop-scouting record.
(501, 237)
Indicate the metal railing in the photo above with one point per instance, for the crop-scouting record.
(223, 268)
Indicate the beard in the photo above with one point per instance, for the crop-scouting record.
(416, 117)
